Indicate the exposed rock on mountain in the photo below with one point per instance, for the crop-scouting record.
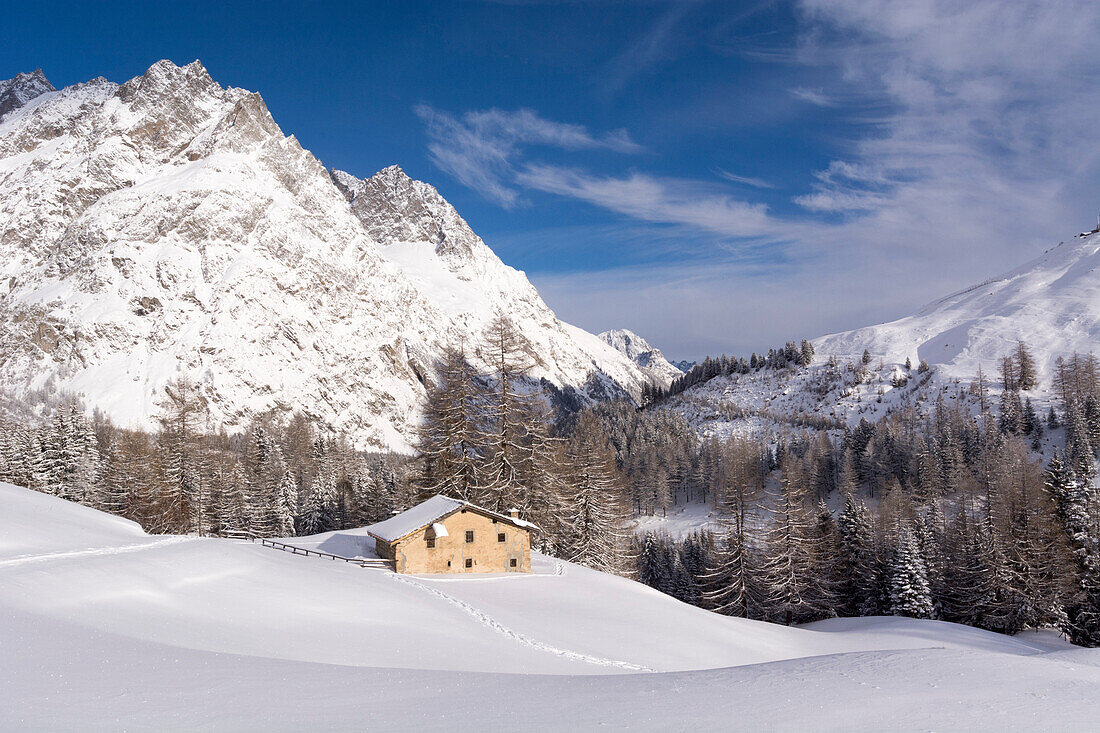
(14, 93)
(635, 348)
(166, 226)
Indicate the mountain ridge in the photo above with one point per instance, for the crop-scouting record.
(1051, 303)
(22, 88)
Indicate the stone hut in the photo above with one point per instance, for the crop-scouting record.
(445, 535)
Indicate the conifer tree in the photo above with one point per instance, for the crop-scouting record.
(1075, 500)
(730, 581)
(653, 565)
(516, 446)
(857, 556)
(909, 590)
(183, 411)
(449, 435)
(286, 506)
(788, 567)
(827, 568)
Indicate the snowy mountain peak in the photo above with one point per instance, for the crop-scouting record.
(22, 88)
(395, 208)
(627, 342)
(167, 227)
(638, 350)
(164, 81)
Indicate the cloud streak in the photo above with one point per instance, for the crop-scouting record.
(747, 180)
(480, 147)
(654, 199)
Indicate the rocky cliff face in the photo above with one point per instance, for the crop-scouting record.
(14, 93)
(166, 226)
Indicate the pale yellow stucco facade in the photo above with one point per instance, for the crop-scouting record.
(495, 546)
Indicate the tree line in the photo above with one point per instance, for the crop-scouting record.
(278, 478)
(790, 355)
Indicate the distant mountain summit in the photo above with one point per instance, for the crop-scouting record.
(167, 226)
(650, 359)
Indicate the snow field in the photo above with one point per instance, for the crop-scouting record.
(102, 627)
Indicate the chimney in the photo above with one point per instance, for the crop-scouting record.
(513, 513)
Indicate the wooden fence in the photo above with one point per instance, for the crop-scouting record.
(295, 550)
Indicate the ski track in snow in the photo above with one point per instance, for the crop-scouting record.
(487, 620)
(116, 550)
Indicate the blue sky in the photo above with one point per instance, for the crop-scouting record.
(717, 176)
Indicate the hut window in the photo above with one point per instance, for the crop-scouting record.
(469, 536)
(500, 537)
(469, 563)
(430, 541)
(512, 563)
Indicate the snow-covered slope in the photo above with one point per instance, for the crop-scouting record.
(1052, 303)
(638, 350)
(105, 628)
(166, 226)
(421, 233)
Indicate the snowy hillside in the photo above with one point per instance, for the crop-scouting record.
(1052, 303)
(638, 350)
(166, 226)
(166, 633)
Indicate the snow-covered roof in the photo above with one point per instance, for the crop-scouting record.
(429, 512)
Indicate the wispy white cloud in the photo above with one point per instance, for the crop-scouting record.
(974, 101)
(651, 47)
(813, 96)
(479, 149)
(654, 199)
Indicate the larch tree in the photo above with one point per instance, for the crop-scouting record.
(1026, 375)
(183, 411)
(597, 538)
(449, 438)
(791, 585)
(510, 417)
